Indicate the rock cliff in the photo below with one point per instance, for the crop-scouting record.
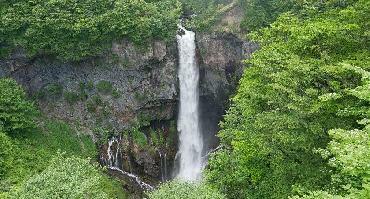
(134, 87)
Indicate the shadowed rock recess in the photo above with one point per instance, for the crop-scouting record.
(130, 95)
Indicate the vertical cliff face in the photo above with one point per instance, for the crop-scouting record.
(134, 89)
(220, 57)
(111, 91)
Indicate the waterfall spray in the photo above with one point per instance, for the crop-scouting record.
(191, 144)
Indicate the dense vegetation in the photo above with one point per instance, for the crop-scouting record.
(177, 190)
(75, 29)
(298, 126)
(311, 75)
(30, 158)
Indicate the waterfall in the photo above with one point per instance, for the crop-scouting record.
(113, 152)
(191, 144)
(113, 162)
(142, 184)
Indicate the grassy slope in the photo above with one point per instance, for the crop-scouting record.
(33, 152)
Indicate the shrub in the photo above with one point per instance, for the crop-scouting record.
(104, 87)
(54, 90)
(46, 26)
(65, 177)
(5, 153)
(17, 114)
(180, 190)
(138, 137)
(116, 94)
(71, 97)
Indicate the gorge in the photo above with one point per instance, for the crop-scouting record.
(245, 99)
(131, 101)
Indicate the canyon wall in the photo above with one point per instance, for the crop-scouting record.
(135, 87)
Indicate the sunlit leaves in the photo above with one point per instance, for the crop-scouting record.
(74, 29)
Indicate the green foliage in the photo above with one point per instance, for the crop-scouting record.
(206, 12)
(71, 97)
(138, 137)
(180, 190)
(75, 29)
(112, 187)
(54, 90)
(262, 13)
(116, 94)
(309, 76)
(65, 177)
(104, 87)
(33, 151)
(6, 156)
(32, 154)
(16, 112)
(349, 152)
(157, 138)
(93, 103)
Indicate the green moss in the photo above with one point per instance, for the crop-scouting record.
(116, 94)
(140, 96)
(39, 95)
(54, 90)
(104, 87)
(97, 100)
(71, 97)
(113, 187)
(139, 137)
(33, 151)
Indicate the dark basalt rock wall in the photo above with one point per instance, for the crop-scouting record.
(220, 60)
(129, 85)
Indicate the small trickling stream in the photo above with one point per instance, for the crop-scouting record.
(114, 163)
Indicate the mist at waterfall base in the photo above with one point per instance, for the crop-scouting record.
(190, 138)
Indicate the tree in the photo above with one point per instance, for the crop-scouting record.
(77, 29)
(5, 154)
(179, 190)
(349, 153)
(17, 114)
(300, 84)
(65, 177)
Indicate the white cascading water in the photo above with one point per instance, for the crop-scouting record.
(113, 153)
(191, 144)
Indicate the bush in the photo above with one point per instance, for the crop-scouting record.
(45, 27)
(5, 153)
(17, 114)
(71, 97)
(104, 87)
(180, 190)
(139, 137)
(65, 177)
(54, 90)
(309, 76)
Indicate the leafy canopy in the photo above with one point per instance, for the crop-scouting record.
(307, 78)
(17, 114)
(180, 190)
(76, 29)
(65, 177)
(6, 156)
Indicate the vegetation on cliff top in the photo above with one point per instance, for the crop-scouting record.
(76, 29)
